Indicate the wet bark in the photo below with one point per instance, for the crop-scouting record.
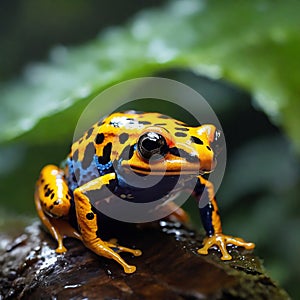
(169, 268)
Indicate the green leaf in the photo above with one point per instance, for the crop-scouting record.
(254, 44)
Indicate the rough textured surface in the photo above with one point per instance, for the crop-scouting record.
(169, 268)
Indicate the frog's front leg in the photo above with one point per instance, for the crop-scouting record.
(52, 201)
(212, 222)
(87, 221)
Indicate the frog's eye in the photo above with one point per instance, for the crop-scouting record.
(152, 143)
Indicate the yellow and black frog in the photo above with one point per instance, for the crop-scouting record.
(144, 143)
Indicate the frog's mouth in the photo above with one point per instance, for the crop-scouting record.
(167, 166)
(152, 171)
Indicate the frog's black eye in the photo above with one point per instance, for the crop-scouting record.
(152, 143)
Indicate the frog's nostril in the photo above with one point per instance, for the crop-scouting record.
(218, 143)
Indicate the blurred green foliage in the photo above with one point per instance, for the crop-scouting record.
(260, 54)
(254, 45)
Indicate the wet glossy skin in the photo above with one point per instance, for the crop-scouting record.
(121, 143)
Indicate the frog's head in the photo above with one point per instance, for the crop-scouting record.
(174, 150)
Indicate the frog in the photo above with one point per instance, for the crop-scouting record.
(144, 143)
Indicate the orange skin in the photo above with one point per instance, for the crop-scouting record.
(181, 149)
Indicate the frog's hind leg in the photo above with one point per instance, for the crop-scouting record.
(52, 202)
(178, 214)
(87, 221)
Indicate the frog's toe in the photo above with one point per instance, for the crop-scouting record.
(226, 255)
(136, 252)
(247, 245)
(203, 251)
(61, 249)
(240, 243)
(129, 269)
(207, 243)
(117, 248)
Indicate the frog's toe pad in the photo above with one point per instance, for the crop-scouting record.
(137, 252)
(203, 251)
(129, 269)
(249, 246)
(61, 249)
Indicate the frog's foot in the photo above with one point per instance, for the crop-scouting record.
(221, 241)
(62, 229)
(102, 248)
(112, 243)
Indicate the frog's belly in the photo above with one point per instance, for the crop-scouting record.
(150, 190)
